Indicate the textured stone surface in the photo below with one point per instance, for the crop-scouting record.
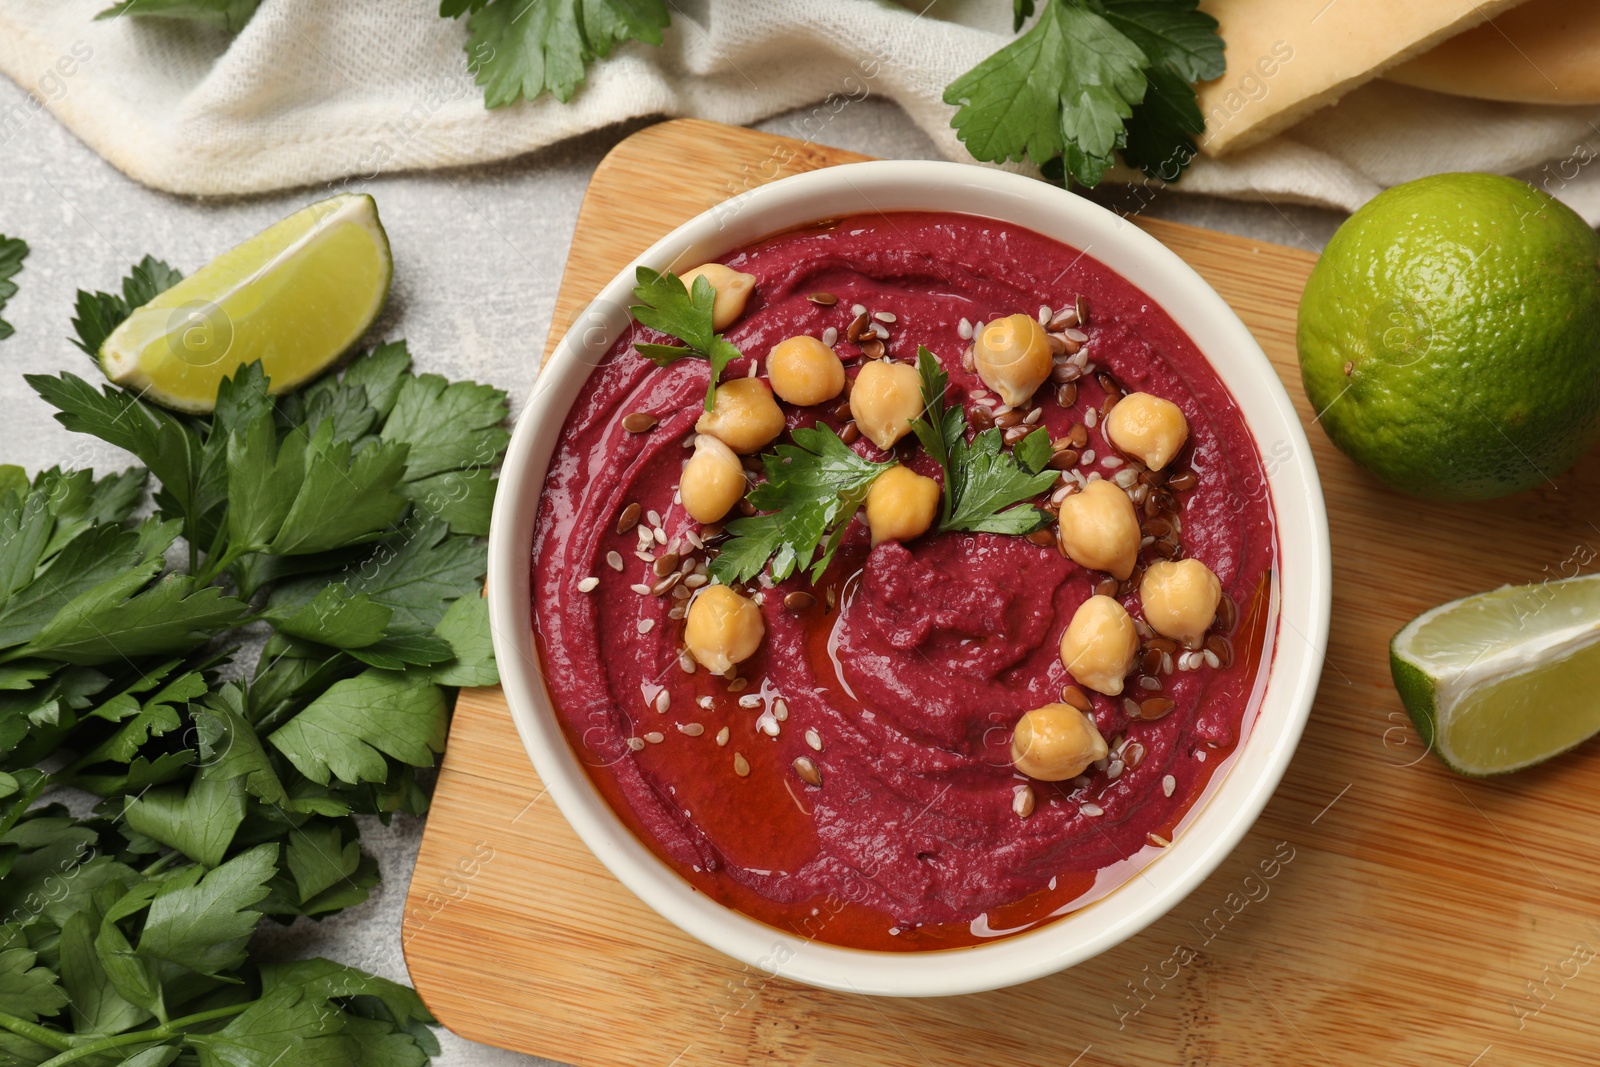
(478, 255)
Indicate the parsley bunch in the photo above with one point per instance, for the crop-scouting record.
(341, 525)
(1090, 79)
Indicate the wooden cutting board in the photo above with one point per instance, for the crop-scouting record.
(1381, 911)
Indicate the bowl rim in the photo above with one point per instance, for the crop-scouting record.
(1216, 824)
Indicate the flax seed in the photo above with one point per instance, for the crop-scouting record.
(858, 327)
(807, 770)
(799, 601)
(628, 519)
(639, 422)
(872, 348)
(1072, 696)
(826, 300)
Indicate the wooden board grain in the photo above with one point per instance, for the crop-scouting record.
(1381, 911)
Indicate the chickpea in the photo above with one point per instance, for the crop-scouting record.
(1099, 645)
(1099, 529)
(1180, 599)
(712, 482)
(901, 505)
(885, 398)
(804, 371)
(743, 416)
(1013, 357)
(1055, 742)
(733, 289)
(722, 628)
(1150, 429)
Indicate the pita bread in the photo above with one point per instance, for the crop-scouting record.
(1543, 52)
(1287, 58)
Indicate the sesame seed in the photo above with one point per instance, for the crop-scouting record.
(1166, 663)
(1150, 683)
(640, 588)
(655, 737)
(1211, 658)
(1200, 757)
(1075, 335)
(722, 737)
(706, 701)
(692, 729)
(830, 336)
(1088, 455)
(635, 743)
(780, 710)
(1090, 416)
(1168, 785)
(1111, 463)
(646, 625)
(750, 700)
(663, 701)
(1045, 315)
(588, 584)
(978, 394)
(741, 766)
(880, 331)
(653, 516)
(964, 328)
(858, 309)
(814, 739)
(977, 327)
(1157, 840)
(1033, 417)
(1114, 770)
(755, 368)
(681, 591)
(1125, 477)
(614, 560)
(661, 535)
(678, 612)
(768, 727)
(695, 580)
(1091, 809)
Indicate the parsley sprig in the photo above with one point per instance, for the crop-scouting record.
(13, 250)
(665, 305)
(1089, 79)
(812, 490)
(343, 524)
(981, 481)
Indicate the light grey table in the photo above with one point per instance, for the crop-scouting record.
(478, 256)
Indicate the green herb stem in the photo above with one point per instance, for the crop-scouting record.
(154, 1035)
(39, 1035)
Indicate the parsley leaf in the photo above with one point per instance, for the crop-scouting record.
(1183, 46)
(346, 732)
(27, 990)
(666, 306)
(202, 920)
(520, 48)
(13, 250)
(229, 15)
(812, 487)
(1090, 78)
(980, 480)
(1064, 88)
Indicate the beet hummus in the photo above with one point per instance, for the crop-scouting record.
(853, 780)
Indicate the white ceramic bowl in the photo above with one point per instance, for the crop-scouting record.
(1214, 826)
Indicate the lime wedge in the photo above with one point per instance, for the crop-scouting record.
(296, 296)
(1505, 679)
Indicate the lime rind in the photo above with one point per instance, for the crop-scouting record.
(1504, 680)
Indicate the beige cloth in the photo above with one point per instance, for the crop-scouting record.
(313, 92)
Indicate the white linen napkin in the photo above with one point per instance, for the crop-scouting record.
(315, 93)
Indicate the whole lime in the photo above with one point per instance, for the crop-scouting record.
(1450, 337)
